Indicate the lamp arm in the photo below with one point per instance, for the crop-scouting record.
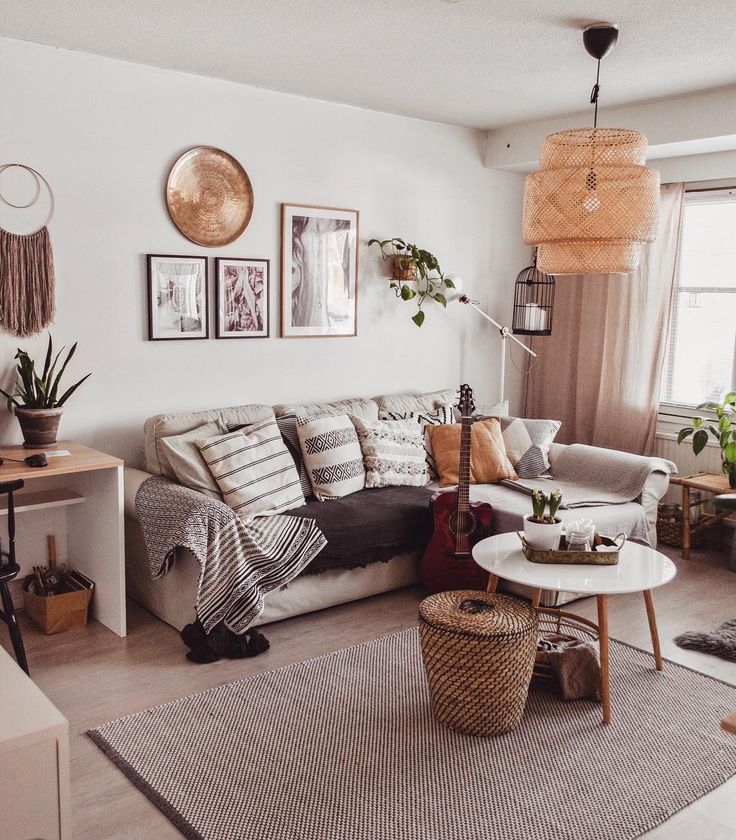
(505, 332)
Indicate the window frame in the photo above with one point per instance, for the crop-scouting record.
(671, 413)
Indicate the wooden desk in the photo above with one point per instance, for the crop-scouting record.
(715, 483)
(90, 485)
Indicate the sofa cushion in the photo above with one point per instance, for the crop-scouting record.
(359, 406)
(287, 427)
(425, 417)
(185, 459)
(165, 425)
(527, 443)
(370, 526)
(393, 453)
(332, 455)
(407, 403)
(488, 460)
(254, 470)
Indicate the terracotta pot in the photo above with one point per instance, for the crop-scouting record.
(39, 426)
(402, 270)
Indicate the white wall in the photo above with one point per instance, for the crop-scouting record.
(105, 134)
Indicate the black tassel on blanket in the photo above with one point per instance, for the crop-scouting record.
(221, 642)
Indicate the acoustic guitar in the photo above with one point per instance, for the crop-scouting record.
(458, 525)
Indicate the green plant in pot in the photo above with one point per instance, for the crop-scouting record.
(723, 431)
(412, 264)
(543, 529)
(38, 400)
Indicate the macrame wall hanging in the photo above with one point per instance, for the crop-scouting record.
(27, 287)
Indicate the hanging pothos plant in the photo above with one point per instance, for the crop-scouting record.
(412, 264)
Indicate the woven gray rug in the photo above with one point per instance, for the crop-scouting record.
(345, 746)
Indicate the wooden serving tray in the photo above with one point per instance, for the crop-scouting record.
(575, 558)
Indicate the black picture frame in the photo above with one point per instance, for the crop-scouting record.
(155, 328)
(256, 263)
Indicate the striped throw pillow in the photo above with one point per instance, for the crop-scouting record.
(441, 416)
(254, 470)
(332, 455)
(287, 426)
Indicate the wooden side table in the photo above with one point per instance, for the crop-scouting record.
(714, 483)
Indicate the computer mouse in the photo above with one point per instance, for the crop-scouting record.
(39, 460)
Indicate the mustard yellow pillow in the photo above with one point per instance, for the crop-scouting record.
(488, 459)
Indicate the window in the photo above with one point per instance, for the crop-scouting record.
(700, 363)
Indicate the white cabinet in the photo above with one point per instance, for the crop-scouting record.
(34, 760)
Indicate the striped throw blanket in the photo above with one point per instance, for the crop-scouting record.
(240, 563)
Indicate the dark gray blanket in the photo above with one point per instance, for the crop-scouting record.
(369, 526)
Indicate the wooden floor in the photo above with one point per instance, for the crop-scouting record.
(93, 676)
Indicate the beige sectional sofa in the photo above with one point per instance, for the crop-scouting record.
(172, 597)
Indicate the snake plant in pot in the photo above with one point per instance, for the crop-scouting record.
(723, 432)
(543, 530)
(37, 400)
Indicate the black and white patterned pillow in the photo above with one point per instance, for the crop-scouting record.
(287, 427)
(332, 455)
(527, 444)
(441, 415)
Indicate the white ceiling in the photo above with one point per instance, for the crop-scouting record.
(480, 63)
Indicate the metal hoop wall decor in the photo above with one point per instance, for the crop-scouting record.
(38, 179)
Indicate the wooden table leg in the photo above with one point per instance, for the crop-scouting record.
(653, 629)
(603, 642)
(492, 583)
(685, 553)
(536, 597)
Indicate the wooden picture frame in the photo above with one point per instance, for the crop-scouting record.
(178, 297)
(319, 246)
(242, 297)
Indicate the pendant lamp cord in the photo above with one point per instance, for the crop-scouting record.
(594, 94)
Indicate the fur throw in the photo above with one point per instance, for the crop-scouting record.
(721, 642)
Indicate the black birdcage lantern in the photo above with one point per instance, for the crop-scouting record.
(534, 297)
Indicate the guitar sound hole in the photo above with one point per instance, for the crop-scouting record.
(462, 524)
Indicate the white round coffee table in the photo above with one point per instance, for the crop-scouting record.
(639, 569)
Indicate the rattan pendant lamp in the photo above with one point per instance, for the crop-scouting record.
(592, 203)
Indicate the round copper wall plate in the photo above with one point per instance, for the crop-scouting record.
(209, 196)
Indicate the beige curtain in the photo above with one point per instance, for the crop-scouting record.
(600, 370)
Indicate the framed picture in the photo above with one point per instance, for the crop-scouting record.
(242, 298)
(177, 298)
(319, 271)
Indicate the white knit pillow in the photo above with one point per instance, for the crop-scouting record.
(393, 453)
(254, 470)
(441, 415)
(332, 455)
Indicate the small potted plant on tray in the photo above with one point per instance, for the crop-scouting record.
(38, 405)
(543, 530)
(411, 264)
(724, 432)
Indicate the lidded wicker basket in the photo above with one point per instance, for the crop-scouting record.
(478, 651)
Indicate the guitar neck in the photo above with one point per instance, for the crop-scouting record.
(463, 478)
(463, 484)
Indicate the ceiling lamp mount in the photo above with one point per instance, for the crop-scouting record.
(592, 203)
(600, 38)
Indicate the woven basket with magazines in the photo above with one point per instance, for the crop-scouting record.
(478, 651)
(669, 527)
